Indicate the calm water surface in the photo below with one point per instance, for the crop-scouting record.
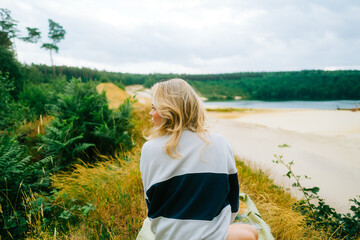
(285, 104)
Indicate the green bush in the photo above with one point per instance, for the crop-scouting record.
(36, 98)
(9, 65)
(319, 214)
(10, 110)
(63, 142)
(19, 176)
(33, 74)
(84, 125)
(119, 84)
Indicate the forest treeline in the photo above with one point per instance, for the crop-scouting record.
(294, 85)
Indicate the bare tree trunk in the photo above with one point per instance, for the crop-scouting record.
(52, 64)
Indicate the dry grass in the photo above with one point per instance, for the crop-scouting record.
(114, 187)
(142, 121)
(33, 128)
(114, 94)
(275, 205)
(228, 109)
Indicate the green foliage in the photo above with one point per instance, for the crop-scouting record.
(9, 65)
(46, 215)
(8, 27)
(37, 97)
(34, 35)
(149, 82)
(50, 47)
(84, 125)
(62, 142)
(283, 145)
(33, 75)
(56, 34)
(5, 41)
(302, 85)
(19, 176)
(119, 84)
(320, 214)
(10, 110)
(87, 74)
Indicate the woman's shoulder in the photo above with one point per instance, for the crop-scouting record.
(154, 143)
(217, 137)
(207, 135)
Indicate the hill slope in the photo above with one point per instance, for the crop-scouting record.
(114, 94)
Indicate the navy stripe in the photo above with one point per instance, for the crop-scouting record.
(196, 196)
(233, 196)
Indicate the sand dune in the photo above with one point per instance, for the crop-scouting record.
(114, 94)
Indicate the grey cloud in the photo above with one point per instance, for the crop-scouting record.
(286, 35)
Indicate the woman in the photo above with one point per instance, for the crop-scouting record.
(189, 175)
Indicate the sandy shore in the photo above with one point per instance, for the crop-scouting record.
(324, 144)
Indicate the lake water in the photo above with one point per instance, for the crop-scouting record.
(285, 104)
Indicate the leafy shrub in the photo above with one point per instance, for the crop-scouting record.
(46, 217)
(84, 124)
(9, 65)
(149, 82)
(33, 74)
(36, 98)
(10, 110)
(106, 199)
(320, 214)
(119, 84)
(62, 142)
(19, 176)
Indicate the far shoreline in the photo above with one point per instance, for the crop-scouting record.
(285, 104)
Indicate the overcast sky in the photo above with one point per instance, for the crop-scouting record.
(194, 36)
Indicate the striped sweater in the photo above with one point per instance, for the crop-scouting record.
(195, 197)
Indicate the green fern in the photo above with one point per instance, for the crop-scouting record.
(10, 110)
(84, 123)
(19, 176)
(62, 142)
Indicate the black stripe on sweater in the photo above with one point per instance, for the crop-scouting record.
(195, 196)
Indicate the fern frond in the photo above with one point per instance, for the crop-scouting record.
(79, 148)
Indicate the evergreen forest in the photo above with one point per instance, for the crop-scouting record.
(280, 86)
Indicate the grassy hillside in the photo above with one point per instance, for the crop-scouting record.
(112, 193)
(114, 94)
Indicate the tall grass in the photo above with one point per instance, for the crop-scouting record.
(114, 188)
(274, 204)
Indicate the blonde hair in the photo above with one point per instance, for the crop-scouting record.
(180, 108)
